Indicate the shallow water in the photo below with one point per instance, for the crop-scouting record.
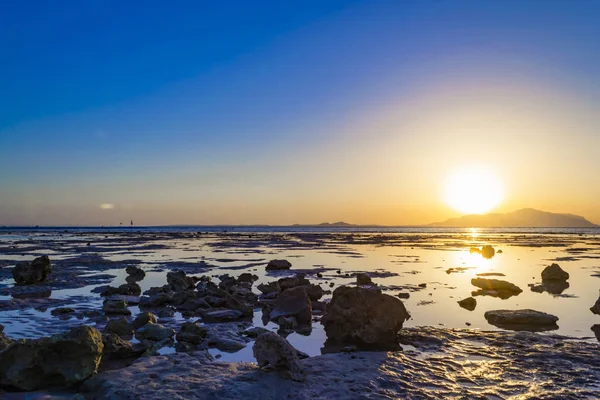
(398, 261)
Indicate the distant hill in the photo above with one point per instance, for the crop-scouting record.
(525, 218)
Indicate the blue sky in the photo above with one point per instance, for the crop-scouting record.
(197, 111)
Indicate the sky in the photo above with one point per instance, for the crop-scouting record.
(238, 112)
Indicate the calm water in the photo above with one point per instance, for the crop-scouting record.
(400, 259)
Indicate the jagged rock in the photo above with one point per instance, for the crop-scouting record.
(115, 307)
(488, 251)
(127, 289)
(247, 277)
(287, 323)
(116, 348)
(167, 312)
(529, 320)
(155, 300)
(222, 315)
(26, 273)
(119, 327)
(278, 265)
(293, 303)
(271, 287)
(363, 279)
(4, 340)
(179, 281)
(191, 332)
(495, 288)
(554, 273)
(59, 360)
(135, 274)
(274, 351)
(62, 311)
(144, 319)
(596, 307)
(154, 332)
(255, 331)
(364, 317)
(292, 282)
(595, 328)
(468, 304)
(226, 336)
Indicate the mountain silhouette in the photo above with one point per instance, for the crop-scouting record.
(525, 218)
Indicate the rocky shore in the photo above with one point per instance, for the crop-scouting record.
(124, 339)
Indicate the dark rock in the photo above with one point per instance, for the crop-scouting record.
(527, 320)
(4, 340)
(495, 288)
(62, 311)
(271, 287)
(247, 277)
(363, 279)
(222, 315)
(293, 303)
(166, 312)
(488, 251)
(179, 281)
(274, 351)
(154, 332)
(155, 300)
(191, 332)
(289, 323)
(364, 317)
(468, 304)
(26, 273)
(116, 348)
(554, 273)
(255, 331)
(144, 319)
(403, 295)
(277, 265)
(60, 360)
(292, 282)
(596, 307)
(127, 289)
(595, 328)
(120, 327)
(135, 274)
(115, 307)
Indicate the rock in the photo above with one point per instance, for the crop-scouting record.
(271, 287)
(278, 265)
(116, 348)
(135, 274)
(179, 281)
(115, 307)
(527, 320)
(4, 340)
(537, 288)
(288, 323)
(314, 292)
(292, 282)
(596, 307)
(554, 273)
(226, 336)
(119, 327)
(167, 312)
(26, 273)
(127, 289)
(247, 277)
(221, 315)
(595, 328)
(365, 317)
(403, 295)
(293, 303)
(60, 360)
(488, 251)
(154, 332)
(363, 279)
(155, 300)
(274, 351)
(191, 332)
(255, 331)
(62, 311)
(468, 304)
(144, 319)
(495, 288)
(31, 292)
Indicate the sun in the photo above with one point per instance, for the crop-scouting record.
(473, 190)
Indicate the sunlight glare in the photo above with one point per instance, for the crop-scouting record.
(473, 190)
